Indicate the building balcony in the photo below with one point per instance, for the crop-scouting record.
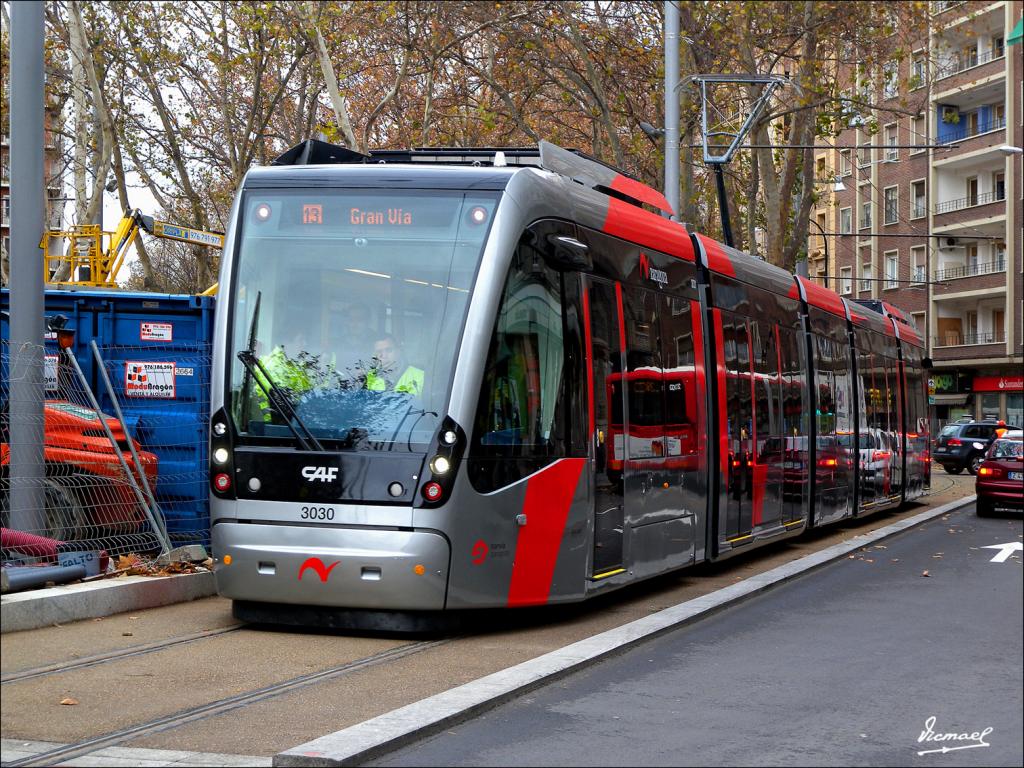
(957, 339)
(971, 270)
(964, 132)
(941, 6)
(962, 63)
(972, 201)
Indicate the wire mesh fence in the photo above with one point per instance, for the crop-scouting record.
(122, 465)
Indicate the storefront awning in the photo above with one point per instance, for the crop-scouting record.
(1017, 35)
(951, 399)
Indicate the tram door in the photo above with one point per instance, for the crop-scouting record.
(608, 395)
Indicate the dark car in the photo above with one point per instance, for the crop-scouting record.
(1000, 483)
(962, 446)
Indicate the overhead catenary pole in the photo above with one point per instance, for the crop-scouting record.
(27, 471)
(672, 105)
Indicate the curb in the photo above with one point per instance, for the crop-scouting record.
(74, 602)
(385, 733)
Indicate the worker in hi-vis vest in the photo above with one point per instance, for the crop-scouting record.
(292, 367)
(388, 361)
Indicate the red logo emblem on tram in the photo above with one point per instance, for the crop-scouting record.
(480, 550)
(316, 564)
(645, 266)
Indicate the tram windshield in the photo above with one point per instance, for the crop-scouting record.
(349, 303)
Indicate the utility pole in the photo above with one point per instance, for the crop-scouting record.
(27, 472)
(672, 105)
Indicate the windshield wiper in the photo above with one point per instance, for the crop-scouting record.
(279, 401)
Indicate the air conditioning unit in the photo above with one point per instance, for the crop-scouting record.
(951, 242)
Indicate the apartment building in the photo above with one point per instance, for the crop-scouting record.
(929, 217)
(52, 168)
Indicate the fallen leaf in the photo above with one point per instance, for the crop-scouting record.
(924, 573)
(126, 634)
(69, 702)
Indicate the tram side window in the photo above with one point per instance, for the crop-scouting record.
(521, 413)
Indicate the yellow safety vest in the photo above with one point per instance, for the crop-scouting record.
(411, 381)
(285, 373)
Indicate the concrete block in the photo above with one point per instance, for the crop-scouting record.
(74, 602)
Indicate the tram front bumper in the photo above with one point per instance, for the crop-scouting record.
(337, 567)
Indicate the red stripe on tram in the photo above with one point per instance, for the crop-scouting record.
(723, 430)
(549, 495)
(587, 355)
(622, 319)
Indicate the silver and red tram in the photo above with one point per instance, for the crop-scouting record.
(454, 379)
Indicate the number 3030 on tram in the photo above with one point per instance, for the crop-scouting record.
(460, 379)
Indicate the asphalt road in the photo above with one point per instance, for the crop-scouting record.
(844, 666)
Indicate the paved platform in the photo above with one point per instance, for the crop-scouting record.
(74, 602)
(115, 757)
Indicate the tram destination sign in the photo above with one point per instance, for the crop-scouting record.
(363, 214)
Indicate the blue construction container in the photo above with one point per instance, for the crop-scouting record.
(156, 349)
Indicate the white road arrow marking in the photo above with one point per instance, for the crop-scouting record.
(944, 750)
(1007, 550)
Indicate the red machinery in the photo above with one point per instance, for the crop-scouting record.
(87, 493)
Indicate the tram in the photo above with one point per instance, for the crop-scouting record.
(447, 380)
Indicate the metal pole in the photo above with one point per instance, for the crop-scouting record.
(158, 530)
(723, 204)
(672, 105)
(28, 203)
(157, 514)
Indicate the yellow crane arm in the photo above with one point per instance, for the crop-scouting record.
(85, 248)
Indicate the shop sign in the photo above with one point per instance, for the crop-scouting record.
(999, 383)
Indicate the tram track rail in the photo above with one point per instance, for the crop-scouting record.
(116, 655)
(221, 706)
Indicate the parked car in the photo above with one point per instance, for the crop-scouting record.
(962, 446)
(1000, 482)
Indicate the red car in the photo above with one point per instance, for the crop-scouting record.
(1000, 480)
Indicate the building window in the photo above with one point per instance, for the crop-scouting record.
(919, 271)
(891, 80)
(999, 185)
(845, 163)
(892, 269)
(919, 134)
(5, 211)
(865, 277)
(998, 47)
(863, 155)
(865, 215)
(920, 203)
(819, 168)
(846, 280)
(892, 153)
(998, 256)
(972, 190)
(845, 221)
(971, 256)
(998, 325)
(918, 73)
(892, 205)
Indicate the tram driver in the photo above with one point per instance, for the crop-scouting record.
(390, 372)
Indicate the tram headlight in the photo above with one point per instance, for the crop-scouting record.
(221, 456)
(439, 465)
(477, 215)
(449, 437)
(263, 212)
(220, 429)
